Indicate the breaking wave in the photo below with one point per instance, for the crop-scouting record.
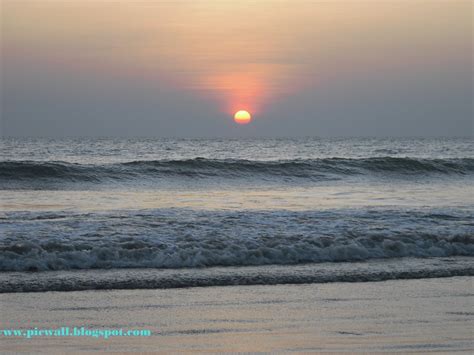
(184, 239)
(314, 169)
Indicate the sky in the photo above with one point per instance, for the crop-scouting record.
(183, 68)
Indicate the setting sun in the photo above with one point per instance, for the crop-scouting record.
(242, 117)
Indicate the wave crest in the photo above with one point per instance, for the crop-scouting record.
(314, 169)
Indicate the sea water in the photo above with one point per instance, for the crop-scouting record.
(130, 213)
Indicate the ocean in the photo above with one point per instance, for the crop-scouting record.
(83, 213)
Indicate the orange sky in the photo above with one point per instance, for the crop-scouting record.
(246, 52)
(237, 54)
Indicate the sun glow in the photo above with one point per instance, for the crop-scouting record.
(242, 117)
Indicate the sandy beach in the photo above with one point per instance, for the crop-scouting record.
(401, 316)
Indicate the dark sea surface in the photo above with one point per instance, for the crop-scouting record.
(157, 213)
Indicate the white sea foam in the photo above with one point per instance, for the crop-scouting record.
(177, 238)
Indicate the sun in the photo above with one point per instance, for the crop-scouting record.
(242, 117)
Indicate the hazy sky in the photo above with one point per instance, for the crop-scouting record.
(182, 68)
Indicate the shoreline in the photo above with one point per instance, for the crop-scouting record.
(373, 270)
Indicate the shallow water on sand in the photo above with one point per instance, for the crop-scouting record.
(402, 316)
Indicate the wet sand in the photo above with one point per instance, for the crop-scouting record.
(404, 316)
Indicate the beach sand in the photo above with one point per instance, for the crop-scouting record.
(425, 315)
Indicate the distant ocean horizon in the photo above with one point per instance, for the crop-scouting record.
(86, 213)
